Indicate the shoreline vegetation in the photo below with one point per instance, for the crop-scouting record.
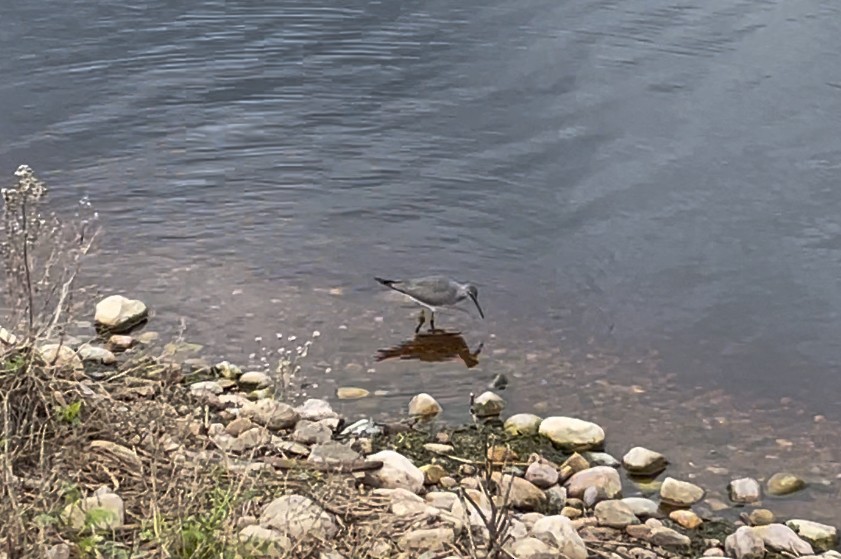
(116, 445)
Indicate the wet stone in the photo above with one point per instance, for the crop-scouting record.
(783, 483)
(744, 490)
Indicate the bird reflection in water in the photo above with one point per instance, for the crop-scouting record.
(434, 346)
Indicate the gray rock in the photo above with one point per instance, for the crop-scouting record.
(207, 386)
(822, 536)
(333, 452)
(298, 518)
(488, 404)
(744, 544)
(570, 433)
(256, 541)
(271, 414)
(252, 438)
(94, 354)
(559, 532)
(522, 424)
(680, 493)
(61, 356)
(316, 410)
(531, 548)
(238, 426)
(254, 380)
(784, 483)
(744, 490)
(666, 537)
(603, 478)
(601, 459)
(443, 500)
(430, 539)
(309, 432)
(780, 537)
(119, 314)
(761, 517)
(642, 507)
(522, 494)
(397, 471)
(614, 514)
(99, 512)
(424, 405)
(58, 551)
(644, 462)
(542, 474)
(556, 499)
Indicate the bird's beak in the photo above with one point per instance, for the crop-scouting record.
(475, 302)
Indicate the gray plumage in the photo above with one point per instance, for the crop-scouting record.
(434, 293)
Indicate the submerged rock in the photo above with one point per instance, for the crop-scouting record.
(351, 393)
(570, 433)
(642, 507)
(644, 462)
(119, 314)
(784, 483)
(424, 405)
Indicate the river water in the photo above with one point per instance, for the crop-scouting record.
(646, 193)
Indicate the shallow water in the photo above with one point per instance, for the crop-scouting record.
(645, 193)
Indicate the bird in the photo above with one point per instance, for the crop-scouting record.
(434, 293)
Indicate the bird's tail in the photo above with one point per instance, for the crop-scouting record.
(386, 282)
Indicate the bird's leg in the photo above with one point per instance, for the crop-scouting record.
(432, 321)
(421, 320)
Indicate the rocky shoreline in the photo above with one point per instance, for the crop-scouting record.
(172, 457)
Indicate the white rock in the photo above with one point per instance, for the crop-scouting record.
(424, 405)
(571, 433)
(61, 356)
(642, 507)
(102, 512)
(680, 493)
(264, 542)
(120, 314)
(443, 500)
(94, 354)
(541, 474)
(559, 532)
(614, 513)
(309, 432)
(603, 478)
(522, 424)
(744, 544)
(254, 380)
(744, 490)
(488, 404)
(644, 462)
(780, 537)
(821, 536)
(431, 539)
(531, 548)
(316, 410)
(397, 471)
(207, 386)
(297, 517)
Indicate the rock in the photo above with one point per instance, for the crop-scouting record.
(680, 493)
(761, 517)
(686, 518)
(94, 354)
(206, 386)
(642, 507)
(298, 517)
(254, 380)
(559, 532)
(714, 552)
(227, 370)
(432, 473)
(309, 432)
(488, 404)
(397, 471)
(744, 544)
(333, 452)
(271, 414)
(601, 477)
(666, 537)
(238, 426)
(531, 548)
(542, 475)
(822, 536)
(119, 314)
(430, 539)
(448, 482)
(570, 433)
(644, 462)
(316, 410)
(256, 541)
(144, 338)
(351, 393)
(252, 438)
(58, 551)
(443, 500)
(783, 483)
(99, 512)
(61, 356)
(521, 494)
(572, 465)
(424, 405)
(744, 490)
(593, 495)
(601, 459)
(556, 497)
(614, 514)
(122, 454)
(522, 424)
(638, 531)
(780, 537)
(438, 448)
(120, 342)
(500, 454)
(7, 338)
(571, 512)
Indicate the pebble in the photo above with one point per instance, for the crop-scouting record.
(686, 519)
(614, 514)
(644, 462)
(680, 493)
(542, 475)
(424, 405)
(761, 517)
(784, 483)
(570, 433)
(438, 448)
(488, 404)
(351, 393)
(119, 314)
(744, 490)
